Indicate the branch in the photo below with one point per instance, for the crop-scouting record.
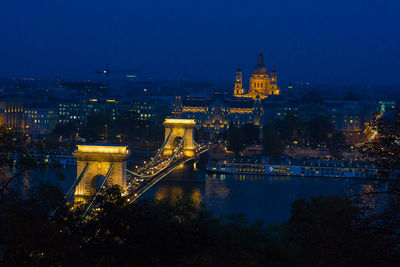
(7, 183)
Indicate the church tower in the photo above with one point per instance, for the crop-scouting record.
(238, 90)
(177, 107)
(273, 90)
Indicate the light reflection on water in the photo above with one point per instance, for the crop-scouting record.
(267, 198)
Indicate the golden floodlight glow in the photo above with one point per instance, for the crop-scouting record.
(103, 149)
(180, 121)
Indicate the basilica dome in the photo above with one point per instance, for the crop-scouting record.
(260, 67)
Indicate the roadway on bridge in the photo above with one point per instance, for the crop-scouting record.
(138, 184)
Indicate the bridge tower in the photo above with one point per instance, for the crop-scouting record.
(96, 163)
(175, 131)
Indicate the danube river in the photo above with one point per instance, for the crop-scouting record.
(267, 198)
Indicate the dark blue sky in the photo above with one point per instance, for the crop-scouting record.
(337, 41)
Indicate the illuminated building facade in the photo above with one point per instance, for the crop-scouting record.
(347, 116)
(12, 115)
(262, 83)
(80, 111)
(217, 112)
(145, 109)
(40, 120)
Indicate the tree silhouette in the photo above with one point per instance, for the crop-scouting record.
(384, 152)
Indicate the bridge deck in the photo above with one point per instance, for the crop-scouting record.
(134, 193)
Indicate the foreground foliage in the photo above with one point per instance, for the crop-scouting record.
(323, 232)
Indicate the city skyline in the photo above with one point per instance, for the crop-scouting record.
(342, 43)
(200, 133)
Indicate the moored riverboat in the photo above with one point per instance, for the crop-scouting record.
(308, 168)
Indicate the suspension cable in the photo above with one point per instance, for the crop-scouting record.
(76, 181)
(158, 152)
(169, 161)
(71, 190)
(98, 191)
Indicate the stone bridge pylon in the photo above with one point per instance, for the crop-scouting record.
(99, 165)
(177, 130)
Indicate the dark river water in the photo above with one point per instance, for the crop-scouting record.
(267, 198)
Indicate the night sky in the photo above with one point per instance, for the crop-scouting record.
(337, 41)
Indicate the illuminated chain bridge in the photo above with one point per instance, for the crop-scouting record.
(101, 165)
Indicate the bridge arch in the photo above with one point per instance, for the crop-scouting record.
(178, 129)
(96, 163)
(96, 183)
(177, 141)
